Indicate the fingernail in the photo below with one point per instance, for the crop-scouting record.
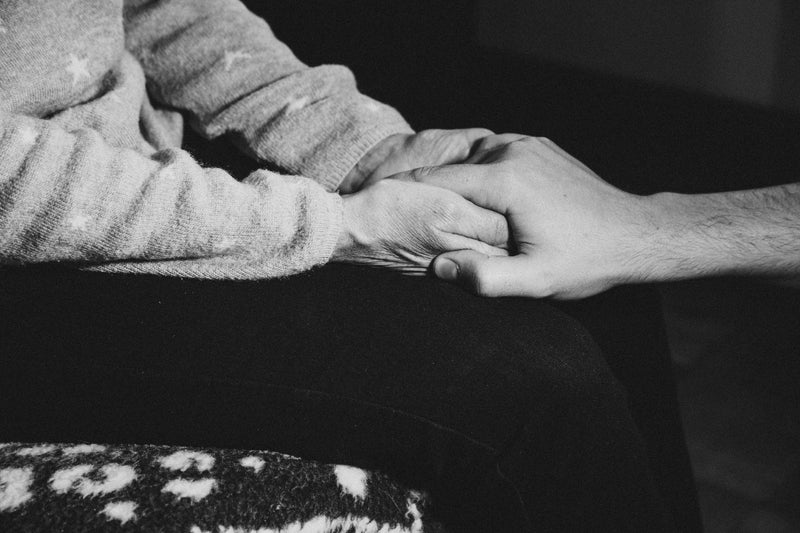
(446, 269)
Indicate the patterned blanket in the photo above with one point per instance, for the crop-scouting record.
(91, 487)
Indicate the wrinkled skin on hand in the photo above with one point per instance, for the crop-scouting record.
(403, 226)
(401, 152)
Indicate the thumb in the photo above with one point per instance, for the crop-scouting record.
(482, 274)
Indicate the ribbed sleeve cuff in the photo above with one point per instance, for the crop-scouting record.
(325, 141)
(325, 228)
(336, 157)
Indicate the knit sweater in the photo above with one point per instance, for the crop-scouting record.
(93, 96)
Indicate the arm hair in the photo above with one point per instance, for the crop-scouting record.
(752, 232)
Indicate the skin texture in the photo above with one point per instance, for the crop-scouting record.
(403, 226)
(575, 235)
(753, 232)
(401, 152)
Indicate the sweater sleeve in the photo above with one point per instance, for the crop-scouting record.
(70, 197)
(222, 65)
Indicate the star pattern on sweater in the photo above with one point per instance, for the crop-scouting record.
(78, 68)
(28, 135)
(79, 222)
(295, 104)
(224, 245)
(232, 56)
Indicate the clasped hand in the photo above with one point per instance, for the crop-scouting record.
(403, 226)
(518, 217)
(574, 235)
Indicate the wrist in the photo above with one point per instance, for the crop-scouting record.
(672, 249)
(370, 161)
(347, 242)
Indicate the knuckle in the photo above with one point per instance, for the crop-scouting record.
(446, 210)
(461, 146)
(548, 143)
(481, 132)
(519, 146)
(484, 143)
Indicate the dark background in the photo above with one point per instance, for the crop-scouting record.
(690, 96)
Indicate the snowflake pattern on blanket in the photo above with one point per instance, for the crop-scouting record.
(90, 487)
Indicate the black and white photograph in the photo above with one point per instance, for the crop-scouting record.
(400, 266)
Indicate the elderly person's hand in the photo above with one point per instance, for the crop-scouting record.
(403, 226)
(401, 152)
(574, 234)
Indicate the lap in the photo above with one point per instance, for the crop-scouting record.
(406, 344)
(342, 364)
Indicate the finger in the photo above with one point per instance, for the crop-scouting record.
(460, 143)
(473, 134)
(480, 224)
(459, 242)
(486, 275)
(564, 154)
(491, 142)
(470, 181)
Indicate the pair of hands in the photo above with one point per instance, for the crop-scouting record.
(503, 215)
(403, 226)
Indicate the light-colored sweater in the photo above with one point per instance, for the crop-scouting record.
(92, 99)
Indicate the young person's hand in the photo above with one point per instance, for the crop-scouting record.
(401, 152)
(403, 226)
(574, 234)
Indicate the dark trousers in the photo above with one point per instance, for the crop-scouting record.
(505, 410)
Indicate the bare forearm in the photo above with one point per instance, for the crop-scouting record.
(576, 235)
(754, 232)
